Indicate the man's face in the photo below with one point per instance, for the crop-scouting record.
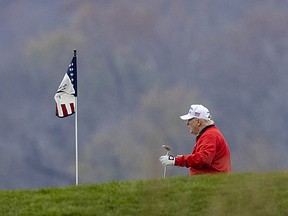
(193, 125)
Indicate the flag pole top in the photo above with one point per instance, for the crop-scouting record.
(74, 52)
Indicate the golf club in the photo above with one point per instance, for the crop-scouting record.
(168, 149)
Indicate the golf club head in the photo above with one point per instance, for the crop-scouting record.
(167, 148)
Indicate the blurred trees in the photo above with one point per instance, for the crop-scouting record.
(141, 65)
(133, 144)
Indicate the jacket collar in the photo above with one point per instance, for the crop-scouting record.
(203, 130)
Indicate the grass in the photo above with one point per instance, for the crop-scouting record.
(237, 194)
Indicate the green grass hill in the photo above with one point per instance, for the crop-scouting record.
(218, 195)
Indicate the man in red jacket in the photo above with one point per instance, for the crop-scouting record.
(211, 153)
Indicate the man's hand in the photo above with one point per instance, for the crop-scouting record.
(167, 160)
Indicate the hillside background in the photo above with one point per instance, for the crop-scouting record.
(140, 66)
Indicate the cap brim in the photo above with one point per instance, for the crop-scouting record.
(186, 117)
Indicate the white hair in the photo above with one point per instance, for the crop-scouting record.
(207, 122)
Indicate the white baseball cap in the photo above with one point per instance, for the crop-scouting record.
(197, 111)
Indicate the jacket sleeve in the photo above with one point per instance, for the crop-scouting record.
(203, 155)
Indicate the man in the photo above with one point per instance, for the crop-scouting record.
(211, 153)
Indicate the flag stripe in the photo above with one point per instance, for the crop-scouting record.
(72, 107)
(65, 113)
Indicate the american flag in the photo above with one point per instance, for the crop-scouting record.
(197, 114)
(66, 94)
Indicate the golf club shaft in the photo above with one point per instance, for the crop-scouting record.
(165, 168)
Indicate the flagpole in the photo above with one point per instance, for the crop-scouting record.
(76, 141)
(76, 131)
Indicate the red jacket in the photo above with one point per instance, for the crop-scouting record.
(211, 153)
